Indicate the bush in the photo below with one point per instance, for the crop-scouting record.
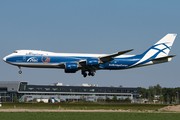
(82, 98)
(107, 98)
(25, 99)
(70, 101)
(99, 99)
(63, 102)
(34, 100)
(15, 99)
(127, 99)
(30, 101)
(114, 98)
(3, 99)
(41, 102)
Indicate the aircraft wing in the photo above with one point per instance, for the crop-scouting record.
(110, 57)
(104, 59)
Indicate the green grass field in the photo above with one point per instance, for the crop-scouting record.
(85, 106)
(87, 116)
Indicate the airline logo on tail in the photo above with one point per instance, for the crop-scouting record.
(162, 48)
(158, 50)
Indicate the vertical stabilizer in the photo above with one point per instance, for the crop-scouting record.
(158, 50)
(165, 44)
(161, 48)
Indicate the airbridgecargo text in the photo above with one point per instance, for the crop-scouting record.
(118, 65)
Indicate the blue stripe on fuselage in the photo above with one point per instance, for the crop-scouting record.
(117, 63)
(121, 63)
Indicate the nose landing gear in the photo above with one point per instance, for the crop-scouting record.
(20, 72)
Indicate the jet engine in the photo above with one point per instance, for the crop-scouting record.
(92, 62)
(71, 67)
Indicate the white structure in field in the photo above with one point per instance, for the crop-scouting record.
(44, 100)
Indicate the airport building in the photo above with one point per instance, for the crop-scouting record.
(21, 90)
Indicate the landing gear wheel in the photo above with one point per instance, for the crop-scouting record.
(20, 72)
(85, 74)
(91, 73)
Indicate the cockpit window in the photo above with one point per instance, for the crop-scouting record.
(15, 52)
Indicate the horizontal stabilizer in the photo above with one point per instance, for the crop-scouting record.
(162, 58)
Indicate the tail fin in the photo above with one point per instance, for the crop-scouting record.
(158, 53)
(161, 48)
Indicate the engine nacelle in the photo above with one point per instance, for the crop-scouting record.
(92, 62)
(71, 67)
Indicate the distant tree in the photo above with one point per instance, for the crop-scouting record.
(175, 99)
(161, 98)
(111, 86)
(69, 101)
(34, 100)
(41, 98)
(25, 99)
(15, 99)
(127, 99)
(30, 101)
(143, 92)
(114, 98)
(58, 97)
(151, 98)
(82, 98)
(41, 102)
(50, 100)
(122, 98)
(151, 90)
(99, 99)
(3, 99)
(167, 99)
(107, 98)
(158, 89)
(168, 94)
(120, 86)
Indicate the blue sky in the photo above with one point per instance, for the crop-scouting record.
(94, 26)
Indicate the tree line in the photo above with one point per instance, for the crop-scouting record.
(164, 94)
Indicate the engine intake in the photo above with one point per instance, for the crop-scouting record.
(71, 67)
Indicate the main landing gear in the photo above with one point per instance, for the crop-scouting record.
(19, 70)
(90, 73)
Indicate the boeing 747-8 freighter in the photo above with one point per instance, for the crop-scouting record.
(90, 63)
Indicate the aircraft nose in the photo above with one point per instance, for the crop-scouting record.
(4, 59)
